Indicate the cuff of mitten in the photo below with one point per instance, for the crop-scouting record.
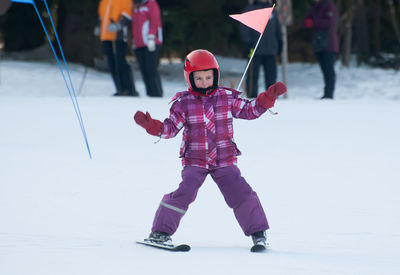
(266, 101)
(156, 129)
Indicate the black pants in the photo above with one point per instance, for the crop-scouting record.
(120, 70)
(326, 60)
(270, 73)
(148, 63)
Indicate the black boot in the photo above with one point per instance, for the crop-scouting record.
(126, 93)
(326, 97)
(259, 238)
(160, 237)
(119, 93)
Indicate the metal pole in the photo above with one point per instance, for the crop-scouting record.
(248, 64)
(85, 72)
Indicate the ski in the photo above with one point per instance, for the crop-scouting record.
(184, 247)
(175, 248)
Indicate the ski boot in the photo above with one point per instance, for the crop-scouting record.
(160, 238)
(259, 241)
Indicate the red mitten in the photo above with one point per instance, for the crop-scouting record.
(153, 126)
(308, 23)
(267, 99)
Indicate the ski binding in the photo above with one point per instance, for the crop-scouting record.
(175, 248)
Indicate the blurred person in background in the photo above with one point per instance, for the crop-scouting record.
(114, 19)
(322, 19)
(147, 41)
(269, 48)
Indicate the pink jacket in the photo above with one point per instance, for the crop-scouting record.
(146, 19)
(325, 17)
(188, 112)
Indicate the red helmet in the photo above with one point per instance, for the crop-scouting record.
(200, 60)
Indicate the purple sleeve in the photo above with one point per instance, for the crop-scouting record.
(175, 122)
(246, 109)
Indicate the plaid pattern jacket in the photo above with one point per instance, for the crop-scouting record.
(188, 112)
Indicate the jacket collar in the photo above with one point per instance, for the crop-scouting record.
(203, 93)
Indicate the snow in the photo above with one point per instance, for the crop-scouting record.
(326, 172)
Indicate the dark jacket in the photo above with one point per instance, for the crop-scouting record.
(271, 41)
(325, 17)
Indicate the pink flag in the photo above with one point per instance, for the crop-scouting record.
(256, 19)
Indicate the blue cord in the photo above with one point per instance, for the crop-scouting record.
(73, 98)
(70, 80)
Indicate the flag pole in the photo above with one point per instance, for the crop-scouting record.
(251, 57)
(248, 63)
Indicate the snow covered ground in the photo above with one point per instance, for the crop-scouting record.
(327, 173)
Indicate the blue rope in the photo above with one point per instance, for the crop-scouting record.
(70, 80)
(73, 94)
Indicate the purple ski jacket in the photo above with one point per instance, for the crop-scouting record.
(325, 18)
(188, 112)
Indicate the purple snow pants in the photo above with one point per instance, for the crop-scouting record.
(237, 193)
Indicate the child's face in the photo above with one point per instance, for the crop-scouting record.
(203, 79)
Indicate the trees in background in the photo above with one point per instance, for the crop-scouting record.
(201, 24)
(75, 24)
(20, 29)
(368, 29)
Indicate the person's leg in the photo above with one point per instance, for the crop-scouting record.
(330, 58)
(125, 72)
(249, 81)
(152, 75)
(110, 56)
(142, 59)
(252, 78)
(320, 59)
(326, 61)
(270, 71)
(174, 205)
(241, 198)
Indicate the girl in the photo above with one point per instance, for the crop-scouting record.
(205, 112)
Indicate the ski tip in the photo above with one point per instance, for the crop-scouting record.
(183, 247)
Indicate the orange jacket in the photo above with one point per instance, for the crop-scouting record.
(112, 10)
